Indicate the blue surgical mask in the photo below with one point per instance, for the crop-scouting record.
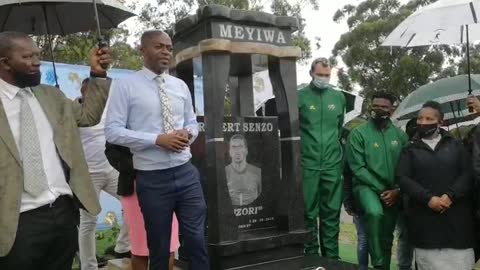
(321, 82)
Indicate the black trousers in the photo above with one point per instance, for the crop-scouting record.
(47, 238)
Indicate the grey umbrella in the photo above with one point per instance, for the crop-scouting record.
(61, 17)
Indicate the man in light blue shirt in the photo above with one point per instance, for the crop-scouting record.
(151, 112)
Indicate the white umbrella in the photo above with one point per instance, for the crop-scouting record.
(440, 36)
(439, 23)
(443, 22)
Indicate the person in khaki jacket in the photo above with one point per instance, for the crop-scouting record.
(44, 177)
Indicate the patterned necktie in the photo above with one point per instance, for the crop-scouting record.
(167, 113)
(34, 178)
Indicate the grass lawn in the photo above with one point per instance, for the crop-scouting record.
(348, 249)
(348, 245)
(348, 240)
(105, 241)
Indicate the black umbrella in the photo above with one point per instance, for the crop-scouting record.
(61, 17)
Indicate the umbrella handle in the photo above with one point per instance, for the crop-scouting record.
(102, 44)
(470, 108)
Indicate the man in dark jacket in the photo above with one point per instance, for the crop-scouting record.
(404, 247)
(474, 103)
(473, 140)
(435, 172)
(349, 202)
(120, 158)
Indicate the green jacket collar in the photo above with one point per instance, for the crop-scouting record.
(372, 124)
(313, 87)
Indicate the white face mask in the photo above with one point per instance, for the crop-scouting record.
(321, 82)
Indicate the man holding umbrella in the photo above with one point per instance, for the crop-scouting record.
(44, 177)
(473, 102)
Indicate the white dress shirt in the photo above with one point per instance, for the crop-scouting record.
(135, 118)
(57, 184)
(93, 142)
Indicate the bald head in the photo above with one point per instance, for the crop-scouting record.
(156, 48)
(8, 40)
(148, 36)
(19, 60)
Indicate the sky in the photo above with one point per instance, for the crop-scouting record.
(319, 23)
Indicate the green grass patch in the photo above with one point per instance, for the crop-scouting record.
(105, 244)
(348, 245)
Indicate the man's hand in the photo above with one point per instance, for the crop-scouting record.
(446, 200)
(437, 204)
(473, 102)
(390, 197)
(184, 133)
(172, 141)
(100, 58)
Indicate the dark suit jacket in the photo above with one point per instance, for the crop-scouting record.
(120, 158)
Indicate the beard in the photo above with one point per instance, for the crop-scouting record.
(24, 80)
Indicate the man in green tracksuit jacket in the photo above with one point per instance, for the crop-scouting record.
(322, 111)
(373, 151)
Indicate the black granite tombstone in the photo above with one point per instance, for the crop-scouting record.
(251, 165)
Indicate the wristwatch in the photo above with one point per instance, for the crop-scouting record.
(97, 75)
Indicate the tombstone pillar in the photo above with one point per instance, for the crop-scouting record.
(250, 165)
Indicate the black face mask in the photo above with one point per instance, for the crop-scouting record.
(379, 116)
(426, 130)
(24, 80)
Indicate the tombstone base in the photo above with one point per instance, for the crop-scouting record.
(277, 264)
(259, 250)
(312, 262)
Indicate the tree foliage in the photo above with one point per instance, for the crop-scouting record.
(344, 81)
(375, 68)
(165, 13)
(75, 49)
(294, 9)
(239, 4)
(457, 64)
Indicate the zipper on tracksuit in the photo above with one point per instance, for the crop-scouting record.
(386, 157)
(321, 125)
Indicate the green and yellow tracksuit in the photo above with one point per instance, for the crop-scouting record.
(349, 201)
(373, 155)
(321, 118)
